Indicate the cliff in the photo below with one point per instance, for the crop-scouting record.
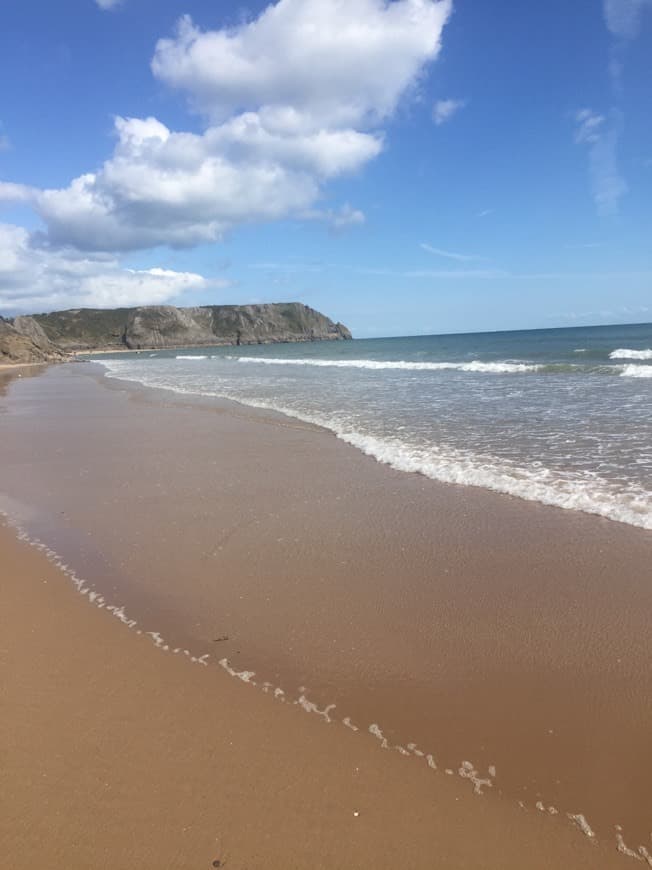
(30, 346)
(160, 326)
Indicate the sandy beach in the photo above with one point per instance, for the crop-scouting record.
(476, 642)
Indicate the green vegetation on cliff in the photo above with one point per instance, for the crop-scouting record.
(160, 326)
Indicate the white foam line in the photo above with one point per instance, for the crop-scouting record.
(636, 371)
(552, 811)
(468, 771)
(92, 595)
(375, 730)
(639, 854)
(311, 707)
(397, 365)
(466, 469)
(581, 822)
(245, 676)
(628, 353)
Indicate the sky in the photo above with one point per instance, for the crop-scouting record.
(404, 166)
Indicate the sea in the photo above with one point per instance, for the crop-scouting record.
(559, 416)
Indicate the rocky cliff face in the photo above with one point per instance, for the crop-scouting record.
(161, 326)
(30, 346)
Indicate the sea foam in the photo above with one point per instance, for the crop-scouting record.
(587, 492)
(399, 365)
(636, 371)
(627, 353)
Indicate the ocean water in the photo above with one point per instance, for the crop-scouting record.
(560, 416)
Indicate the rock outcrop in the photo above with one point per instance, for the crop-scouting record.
(161, 326)
(22, 347)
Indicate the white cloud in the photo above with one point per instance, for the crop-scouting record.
(294, 98)
(450, 255)
(443, 110)
(623, 17)
(607, 184)
(309, 63)
(589, 126)
(108, 4)
(337, 219)
(161, 187)
(5, 142)
(10, 192)
(34, 277)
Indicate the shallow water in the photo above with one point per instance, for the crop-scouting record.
(559, 416)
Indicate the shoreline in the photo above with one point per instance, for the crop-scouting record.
(146, 413)
(166, 764)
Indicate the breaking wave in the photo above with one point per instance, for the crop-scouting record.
(634, 371)
(627, 353)
(400, 365)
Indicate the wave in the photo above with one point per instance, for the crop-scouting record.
(190, 356)
(455, 466)
(399, 365)
(589, 494)
(627, 353)
(634, 371)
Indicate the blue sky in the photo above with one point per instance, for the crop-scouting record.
(406, 167)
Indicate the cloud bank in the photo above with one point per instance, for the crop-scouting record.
(36, 277)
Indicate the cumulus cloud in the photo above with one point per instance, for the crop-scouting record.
(310, 63)
(181, 189)
(443, 110)
(293, 99)
(601, 137)
(108, 4)
(34, 277)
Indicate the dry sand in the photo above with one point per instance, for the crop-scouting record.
(478, 626)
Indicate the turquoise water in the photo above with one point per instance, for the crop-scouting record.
(561, 416)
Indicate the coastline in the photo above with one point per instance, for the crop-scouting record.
(263, 497)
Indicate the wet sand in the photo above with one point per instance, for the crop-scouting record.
(480, 628)
(116, 756)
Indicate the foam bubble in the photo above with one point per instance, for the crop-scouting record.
(581, 822)
(245, 676)
(311, 707)
(190, 356)
(468, 771)
(374, 729)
